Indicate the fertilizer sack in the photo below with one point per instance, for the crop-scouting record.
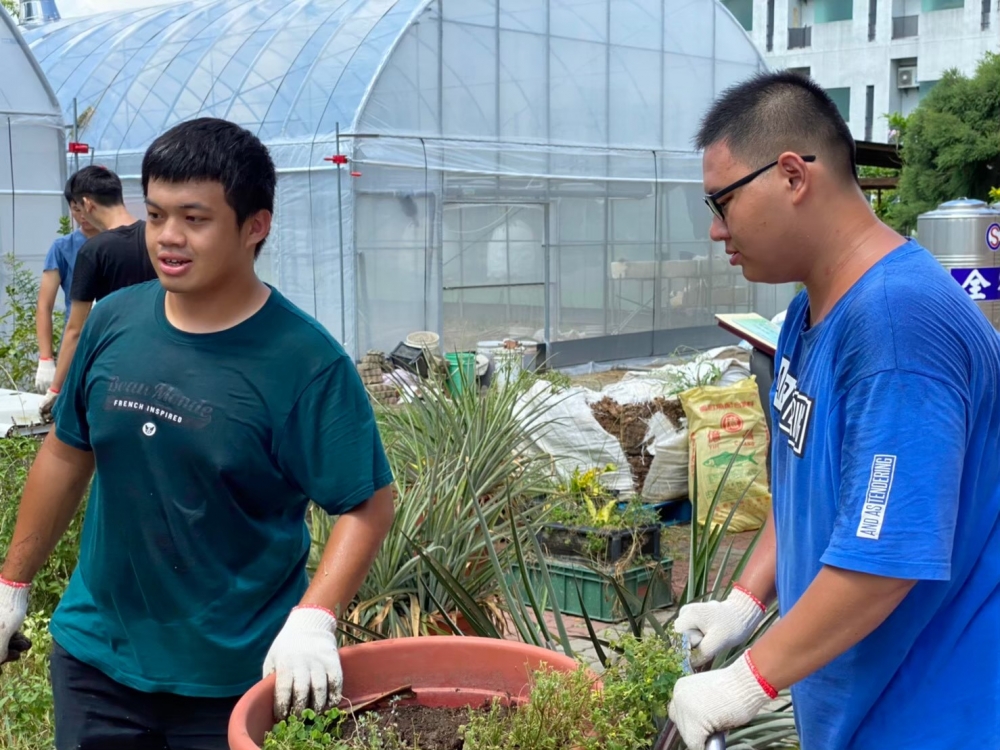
(723, 422)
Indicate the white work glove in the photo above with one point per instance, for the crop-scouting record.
(13, 608)
(713, 627)
(45, 374)
(718, 700)
(47, 405)
(304, 656)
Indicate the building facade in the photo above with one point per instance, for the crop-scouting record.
(875, 57)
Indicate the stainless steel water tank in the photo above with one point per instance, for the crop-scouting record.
(965, 234)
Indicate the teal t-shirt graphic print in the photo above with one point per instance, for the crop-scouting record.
(208, 449)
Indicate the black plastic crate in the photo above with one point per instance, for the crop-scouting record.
(578, 541)
(410, 358)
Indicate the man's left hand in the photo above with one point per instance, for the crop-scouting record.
(45, 373)
(307, 666)
(47, 405)
(718, 700)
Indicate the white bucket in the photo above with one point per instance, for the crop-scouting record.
(427, 340)
(486, 349)
(508, 364)
(531, 362)
(505, 364)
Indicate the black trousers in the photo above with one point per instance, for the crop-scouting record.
(93, 712)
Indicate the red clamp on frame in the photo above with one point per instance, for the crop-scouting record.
(340, 159)
(79, 148)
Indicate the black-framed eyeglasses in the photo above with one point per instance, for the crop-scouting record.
(712, 201)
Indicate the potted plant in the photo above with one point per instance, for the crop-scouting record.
(713, 571)
(451, 457)
(495, 695)
(449, 672)
(585, 520)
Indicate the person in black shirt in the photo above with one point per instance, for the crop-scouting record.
(110, 261)
(107, 262)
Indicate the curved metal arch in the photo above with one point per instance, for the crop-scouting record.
(317, 123)
(251, 67)
(120, 102)
(26, 50)
(294, 60)
(232, 7)
(97, 60)
(417, 12)
(140, 24)
(346, 9)
(195, 69)
(50, 38)
(60, 66)
(143, 53)
(399, 32)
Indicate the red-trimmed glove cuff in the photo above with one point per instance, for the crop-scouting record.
(749, 594)
(766, 686)
(316, 606)
(14, 584)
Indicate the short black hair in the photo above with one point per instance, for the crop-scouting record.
(68, 191)
(213, 150)
(99, 184)
(771, 113)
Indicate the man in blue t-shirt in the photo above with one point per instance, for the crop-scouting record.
(58, 274)
(213, 410)
(883, 547)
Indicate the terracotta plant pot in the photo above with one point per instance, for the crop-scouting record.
(445, 671)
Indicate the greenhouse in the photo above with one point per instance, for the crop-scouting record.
(479, 168)
(32, 166)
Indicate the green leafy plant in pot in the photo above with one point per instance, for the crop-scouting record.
(714, 568)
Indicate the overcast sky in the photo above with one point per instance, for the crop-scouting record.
(69, 8)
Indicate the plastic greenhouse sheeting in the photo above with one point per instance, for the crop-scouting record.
(517, 167)
(32, 161)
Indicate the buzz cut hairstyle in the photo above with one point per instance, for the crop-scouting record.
(99, 184)
(773, 113)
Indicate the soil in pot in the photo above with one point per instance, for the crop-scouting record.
(415, 726)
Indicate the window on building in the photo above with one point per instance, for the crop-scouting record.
(827, 11)
(742, 10)
(925, 88)
(770, 25)
(869, 111)
(928, 6)
(842, 98)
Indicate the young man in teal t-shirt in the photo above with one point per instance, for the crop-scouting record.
(213, 410)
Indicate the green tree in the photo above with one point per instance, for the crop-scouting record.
(951, 143)
(880, 200)
(11, 6)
